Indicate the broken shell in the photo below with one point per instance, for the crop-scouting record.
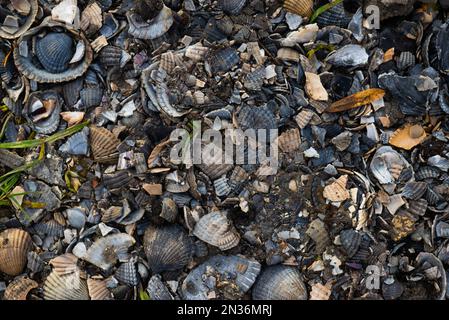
(91, 18)
(167, 248)
(357, 100)
(156, 28)
(403, 224)
(14, 247)
(414, 190)
(320, 292)
(105, 252)
(110, 56)
(157, 290)
(314, 87)
(387, 164)
(67, 287)
(337, 191)
(408, 136)
(318, 233)
(103, 144)
(232, 7)
(224, 60)
(127, 274)
(98, 289)
(31, 13)
(78, 144)
(335, 16)
(216, 229)
(169, 210)
(350, 239)
(290, 140)
(65, 264)
(280, 283)
(43, 110)
(19, 288)
(303, 8)
(351, 55)
(72, 118)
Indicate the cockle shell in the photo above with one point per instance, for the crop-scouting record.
(303, 8)
(127, 274)
(216, 229)
(54, 51)
(14, 247)
(290, 140)
(103, 144)
(67, 287)
(232, 7)
(98, 289)
(19, 288)
(65, 264)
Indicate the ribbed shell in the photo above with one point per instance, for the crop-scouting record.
(26, 25)
(280, 283)
(110, 56)
(254, 80)
(216, 229)
(304, 8)
(71, 91)
(157, 289)
(67, 287)
(105, 251)
(418, 207)
(320, 292)
(392, 291)
(91, 97)
(14, 247)
(290, 140)
(427, 172)
(19, 288)
(54, 51)
(155, 29)
(405, 60)
(214, 171)
(116, 180)
(232, 7)
(335, 16)
(304, 117)
(350, 239)
(414, 190)
(256, 118)
(167, 248)
(112, 214)
(224, 60)
(103, 144)
(127, 274)
(222, 187)
(98, 290)
(65, 264)
(50, 228)
(78, 144)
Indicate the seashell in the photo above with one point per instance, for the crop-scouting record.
(71, 91)
(65, 264)
(356, 100)
(433, 197)
(402, 225)
(157, 290)
(175, 187)
(10, 159)
(427, 172)
(214, 171)
(66, 11)
(196, 52)
(67, 287)
(169, 210)
(50, 228)
(224, 60)
(288, 54)
(31, 10)
(387, 164)
(244, 271)
(425, 258)
(418, 207)
(42, 111)
(320, 292)
(14, 247)
(156, 28)
(232, 7)
(256, 118)
(392, 291)
(91, 97)
(78, 144)
(279, 283)
(350, 239)
(91, 18)
(314, 87)
(335, 16)
(342, 141)
(72, 118)
(237, 178)
(112, 214)
(414, 190)
(318, 233)
(35, 263)
(222, 187)
(110, 26)
(55, 61)
(408, 137)
(406, 60)
(19, 288)
(304, 117)
(105, 251)
(303, 8)
(337, 191)
(127, 274)
(216, 229)
(442, 230)
(167, 61)
(254, 80)
(110, 56)
(351, 55)
(103, 144)
(439, 162)
(132, 217)
(98, 289)
(167, 248)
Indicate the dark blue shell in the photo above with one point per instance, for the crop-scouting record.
(55, 51)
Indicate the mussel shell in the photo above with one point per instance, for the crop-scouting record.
(67, 287)
(19, 288)
(14, 247)
(216, 229)
(279, 283)
(244, 271)
(26, 25)
(167, 248)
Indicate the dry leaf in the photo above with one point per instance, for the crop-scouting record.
(357, 100)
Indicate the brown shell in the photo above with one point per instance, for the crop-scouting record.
(304, 117)
(103, 144)
(14, 247)
(98, 290)
(402, 225)
(408, 136)
(23, 28)
(216, 229)
(91, 18)
(318, 233)
(320, 292)
(304, 8)
(111, 214)
(290, 140)
(19, 288)
(65, 264)
(337, 191)
(288, 54)
(169, 210)
(67, 287)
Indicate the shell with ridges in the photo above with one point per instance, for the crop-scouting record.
(14, 247)
(98, 289)
(67, 287)
(127, 274)
(303, 8)
(19, 288)
(216, 229)
(350, 239)
(34, 8)
(65, 264)
(103, 144)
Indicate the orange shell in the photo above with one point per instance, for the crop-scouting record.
(14, 247)
(304, 8)
(408, 136)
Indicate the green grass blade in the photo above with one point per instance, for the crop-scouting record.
(5, 123)
(324, 8)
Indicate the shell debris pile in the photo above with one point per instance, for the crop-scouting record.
(110, 187)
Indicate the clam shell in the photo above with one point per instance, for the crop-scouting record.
(279, 283)
(26, 66)
(50, 228)
(127, 274)
(392, 291)
(155, 29)
(31, 16)
(169, 210)
(216, 229)
(303, 8)
(98, 290)
(110, 56)
(414, 190)
(14, 247)
(244, 271)
(350, 239)
(19, 288)
(54, 51)
(65, 264)
(232, 7)
(157, 290)
(408, 137)
(224, 60)
(103, 144)
(167, 248)
(337, 190)
(290, 140)
(318, 233)
(67, 287)
(105, 251)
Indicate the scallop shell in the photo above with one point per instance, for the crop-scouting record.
(127, 274)
(216, 229)
(280, 283)
(67, 287)
(54, 51)
(414, 190)
(224, 60)
(244, 271)
(19, 288)
(65, 264)
(26, 66)
(103, 144)
(105, 251)
(408, 137)
(110, 56)
(167, 248)
(317, 231)
(232, 7)
(350, 239)
(169, 210)
(304, 8)
(157, 290)
(337, 191)
(98, 289)
(290, 140)
(155, 29)
(14, 247)
(31, 16)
